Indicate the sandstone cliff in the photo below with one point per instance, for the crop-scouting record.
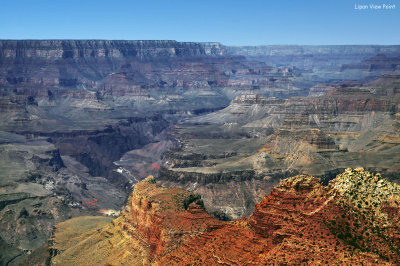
(156, 221)
(353, 220)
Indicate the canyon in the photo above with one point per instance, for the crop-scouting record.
(256, 141)
(82, 122)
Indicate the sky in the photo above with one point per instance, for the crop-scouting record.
(244, 22)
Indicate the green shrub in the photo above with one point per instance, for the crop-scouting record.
(193, 198)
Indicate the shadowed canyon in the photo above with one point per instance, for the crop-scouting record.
(235, 133)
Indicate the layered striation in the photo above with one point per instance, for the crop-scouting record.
(353, 220)
(156, 221)
(327, 62)
(105, 48)
(256, 141)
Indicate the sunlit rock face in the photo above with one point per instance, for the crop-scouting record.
(352, 220)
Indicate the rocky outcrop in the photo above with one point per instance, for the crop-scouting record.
(155, 221)
(163, 218)
(352, 220)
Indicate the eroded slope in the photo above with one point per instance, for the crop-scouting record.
(352, 220)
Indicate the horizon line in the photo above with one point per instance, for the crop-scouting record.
(205, 42)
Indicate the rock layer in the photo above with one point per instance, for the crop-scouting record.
(348, 125)
(352, 220)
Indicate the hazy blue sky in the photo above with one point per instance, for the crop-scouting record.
(229, 22)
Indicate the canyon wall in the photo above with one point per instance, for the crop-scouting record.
(326, 62)
(54, 49)
(232, 157)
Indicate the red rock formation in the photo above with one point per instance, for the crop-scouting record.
(160, 219)
(293, 225)
(300, 222)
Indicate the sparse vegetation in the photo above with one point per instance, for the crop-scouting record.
(193, 198)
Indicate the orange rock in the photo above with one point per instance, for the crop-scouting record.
(299, 222)
(155, 166)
